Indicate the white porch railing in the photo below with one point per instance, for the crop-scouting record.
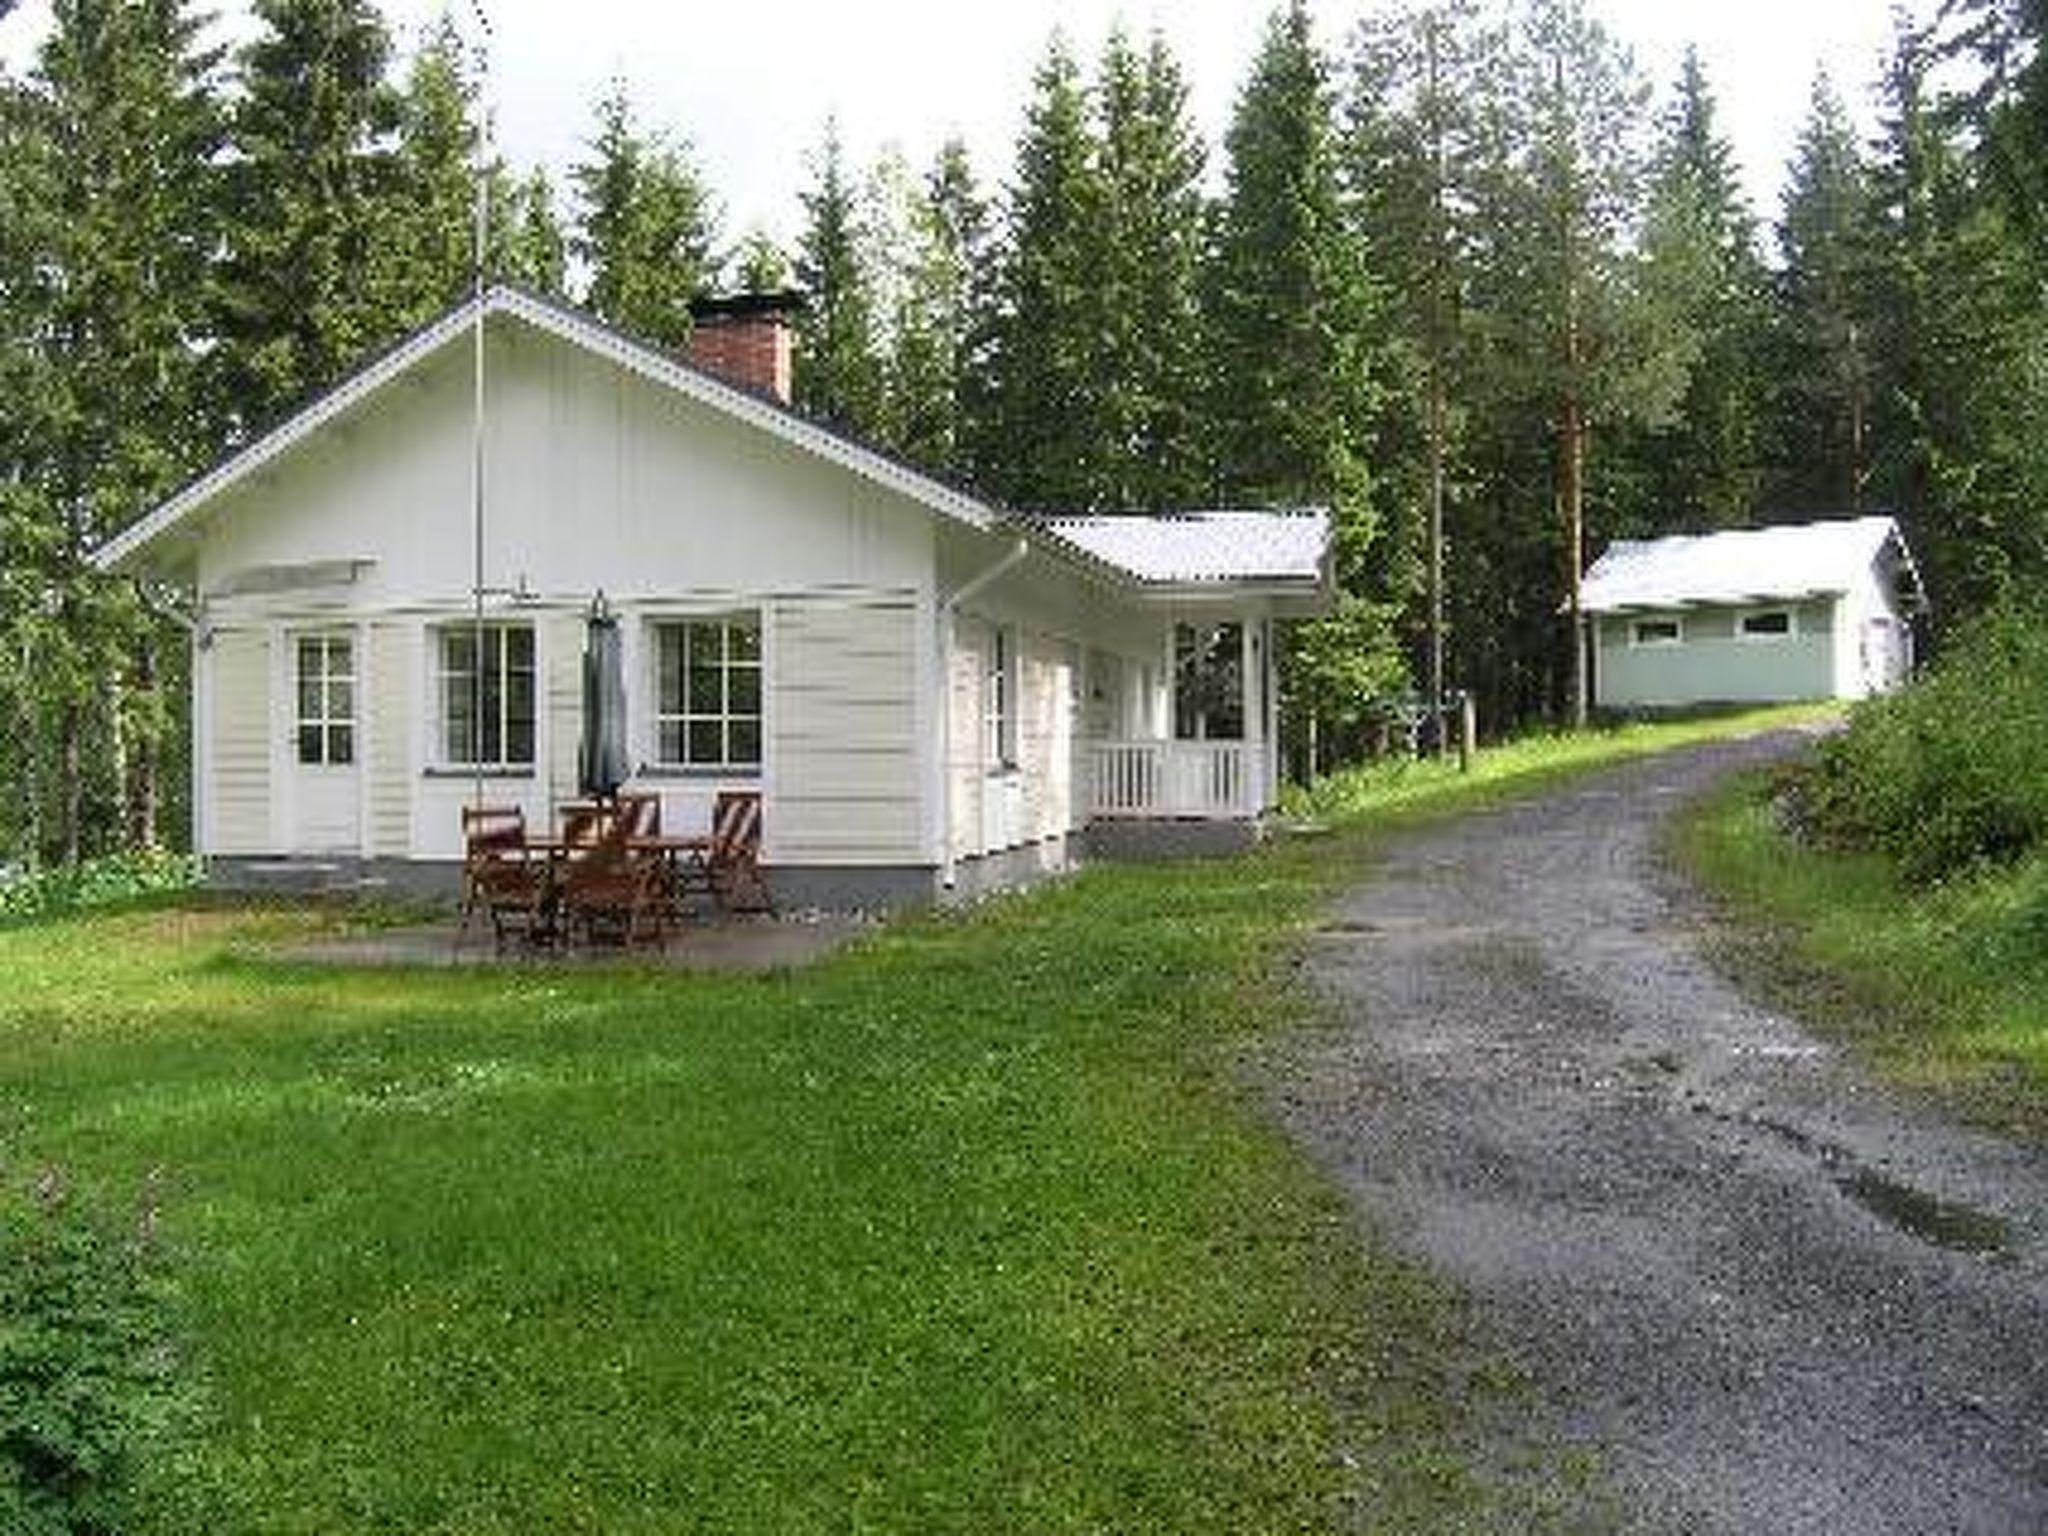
(1212, 780)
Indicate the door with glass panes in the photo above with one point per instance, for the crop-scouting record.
(326, 743)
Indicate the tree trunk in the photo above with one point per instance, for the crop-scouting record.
(1573, 497)
(1437, 347)
(144, 786)
(70, 754)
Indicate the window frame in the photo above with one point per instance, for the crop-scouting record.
(999, 700)
(682, 718)
(503, 763)
(1637, 640)
(1765, 637)
(328, 727)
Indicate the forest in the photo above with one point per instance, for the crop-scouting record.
(1466, 278)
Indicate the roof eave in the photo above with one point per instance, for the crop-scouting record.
(126, 548)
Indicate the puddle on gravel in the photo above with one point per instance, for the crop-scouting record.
(1944, 1223)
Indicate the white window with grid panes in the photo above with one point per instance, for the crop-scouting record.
(485, 686)
(707, 693)
(326, 731)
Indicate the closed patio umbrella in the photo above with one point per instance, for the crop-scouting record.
(601, 756)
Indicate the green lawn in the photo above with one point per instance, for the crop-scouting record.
(973, 1228)
(1943, 987)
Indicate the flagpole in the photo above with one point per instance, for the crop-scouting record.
(479, 260)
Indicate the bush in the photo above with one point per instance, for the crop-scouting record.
(101, 882)
(1950, 772)
(86, 1380)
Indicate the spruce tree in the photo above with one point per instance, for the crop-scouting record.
(1032, 393)
(1959, 338)
(528, 244)
(426, 248)
(1291, 306)
(1820, 450)
(1705, 288)
(1149, 450)
(927, 296)
(307, 190)
(646, 227)
(1292, 321)
(114, 141)
(838, 368)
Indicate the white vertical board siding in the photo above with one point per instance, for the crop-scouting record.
(964, 752)
(390, 709)
(1044, 737)
(238, 743)
(842, 750)
(559, 639)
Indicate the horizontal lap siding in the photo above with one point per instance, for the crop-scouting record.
(238, 743)
(843, 717)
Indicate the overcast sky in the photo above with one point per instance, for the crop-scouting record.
(750, 85)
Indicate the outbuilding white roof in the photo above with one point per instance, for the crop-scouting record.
(1738, 565)
(1196, 547)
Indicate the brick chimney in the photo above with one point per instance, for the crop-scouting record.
(746, 340)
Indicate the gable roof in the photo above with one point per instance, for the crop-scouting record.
(1198, 547)
(578, 329)
(1206, 547)
(1741, 565)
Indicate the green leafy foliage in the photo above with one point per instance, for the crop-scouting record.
(109, 880)
(91, 1400)
(1944, 775)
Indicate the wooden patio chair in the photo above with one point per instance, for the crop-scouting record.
(612, 892)
(732, 865)
(640, 813)
(501, 877)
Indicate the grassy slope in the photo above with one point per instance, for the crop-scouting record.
(969, 1229)
(1944, 989)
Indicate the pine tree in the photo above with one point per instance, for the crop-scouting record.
(1821, 346)
(1705, 287)
(646, 227)
(313, 167)
(838, 367)
(1412, 146)
(1030, 396)
(1560, 311)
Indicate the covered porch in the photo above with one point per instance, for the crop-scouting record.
(1202, 745)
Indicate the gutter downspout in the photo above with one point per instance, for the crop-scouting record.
(948, 607)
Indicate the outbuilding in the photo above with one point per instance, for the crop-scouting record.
(1817, 610)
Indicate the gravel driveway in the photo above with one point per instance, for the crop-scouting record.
(1768, 1294)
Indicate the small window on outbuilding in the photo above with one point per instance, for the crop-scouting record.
(1656, 632)
(1767, 624)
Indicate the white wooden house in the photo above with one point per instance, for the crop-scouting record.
(931, 693)
(1805, 611)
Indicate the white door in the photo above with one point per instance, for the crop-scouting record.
(1884, 655)
(325, 743)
